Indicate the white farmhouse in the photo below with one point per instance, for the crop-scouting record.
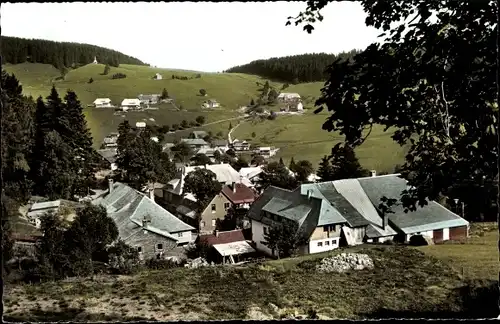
(286, 96)
(131, 103)
(140, 124)
(102, 103)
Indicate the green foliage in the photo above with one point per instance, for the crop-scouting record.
(60, 54)
(272, 96)
(284, 238)
(281, 161)
(238, 163)
(182, 152)
(253, 135)
(18, 137)
(203, 184)
(142, 160)
(106, 69)
(342, 164)
(439, 77)
(164, 94)
(252, 102)
(275, 174)
(160, 264)
(91, 81)
(258, 159)
(200, 120)
(200, 249)
(118, 76)
(184, 124)
(122, 258)
(201, 159)
(294, 69)
(302, 170)
(203, 92)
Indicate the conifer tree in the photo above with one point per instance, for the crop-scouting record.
(281, 161)
(292, 165)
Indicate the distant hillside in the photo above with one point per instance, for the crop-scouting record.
(294, 69)
(59, 54)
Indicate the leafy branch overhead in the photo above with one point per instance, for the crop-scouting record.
(432, 82)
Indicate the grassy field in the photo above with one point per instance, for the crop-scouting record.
(476, 258)
(425, 282)
(300, 137)
(404, 280)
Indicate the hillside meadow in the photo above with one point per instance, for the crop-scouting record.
(300, 137)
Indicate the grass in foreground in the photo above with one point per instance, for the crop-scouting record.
(404, 281)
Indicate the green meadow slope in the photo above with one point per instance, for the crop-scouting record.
(300, 137)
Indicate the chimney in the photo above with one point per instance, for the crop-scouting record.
(234, 187)
(216, 233)
(309, 192)
(373, 172)
(110, 185)
(385, 222)
(152, 193)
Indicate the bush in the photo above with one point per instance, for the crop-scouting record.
(417, 240)
(118, 76)
(91, 80)
(159, 264)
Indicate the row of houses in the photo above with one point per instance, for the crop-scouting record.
(329, 214)
(132, 103)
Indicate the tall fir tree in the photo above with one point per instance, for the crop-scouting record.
(281, 161)
(17, 133)
(292, 165)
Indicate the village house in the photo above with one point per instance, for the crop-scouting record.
(211, 103)
(151, 99)
(63, 208)
(239, 195)
(142, 223)
(130, 104)
(195, 143)
(240, 146)
(103, 103)
(158, 76)
(345, 213)
(293, 105)
(140, 124)
(228, 246)
(173, 194)
(267, 151)
(111, 141)
(198, 134)
(209, 152)
(286, 96)
(109, 156)
(222, 145)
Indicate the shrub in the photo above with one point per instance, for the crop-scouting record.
(417, 240)
(91, 80)
(159, 264)
(119, 76)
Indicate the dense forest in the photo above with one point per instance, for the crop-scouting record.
(293, 69)
(60, 54)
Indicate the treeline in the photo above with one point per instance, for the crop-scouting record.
(293, 69)
(60, 54)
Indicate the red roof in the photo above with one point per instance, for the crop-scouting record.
(223, 237)
(242, 195)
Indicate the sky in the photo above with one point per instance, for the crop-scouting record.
(200, 36)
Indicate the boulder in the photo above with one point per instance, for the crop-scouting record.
(345, 262)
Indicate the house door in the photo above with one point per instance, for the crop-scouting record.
(438, 235)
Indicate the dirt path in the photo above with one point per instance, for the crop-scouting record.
(229, 134)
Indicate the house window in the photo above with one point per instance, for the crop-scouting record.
(214, 222)
(213, 208)
(139, 249)
(226, 206)
(159, 246)
(202, 224)
(265, 230)
(332, 228)
(325, 228)
(320, 244)
(179, 234)
(327, 242)
(334, 242)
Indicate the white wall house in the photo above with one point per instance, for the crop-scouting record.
(102, 103)
(258, 236)
(285, 96)
(140, 124)
(131, 103)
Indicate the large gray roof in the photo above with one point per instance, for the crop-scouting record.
(128, 207)
(109, 155)
(430, 217)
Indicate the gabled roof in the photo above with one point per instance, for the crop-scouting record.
(128, 207)
(194, 141)
(102, 100)
(199, 134)
(223, 237)
(109, 155)
(242, 195)
(131, 102)
(430, 217)
(303, 210)
(250, 172)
